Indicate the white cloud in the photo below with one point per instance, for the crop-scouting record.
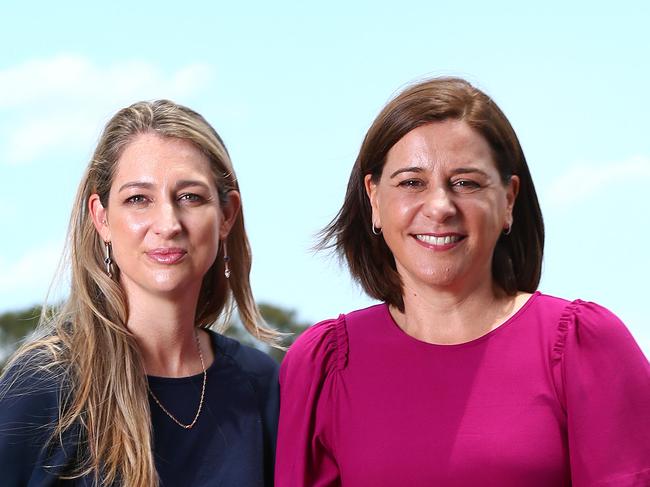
(61, 102)
(39, 134)
(582, 181)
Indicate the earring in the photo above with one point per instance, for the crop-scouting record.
(375, 230)
(108, 262)
(508, 230)
(226, 261)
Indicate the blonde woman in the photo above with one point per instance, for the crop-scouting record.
(126, 384)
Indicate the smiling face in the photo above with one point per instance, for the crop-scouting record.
(442, 205)
(164, 218)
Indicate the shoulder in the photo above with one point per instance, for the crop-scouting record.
(248, 358)
(322, 347)
(254, 364)
(325, 346)
(586, 325)
(30, 401)
(32, 379)
(33, 392)
(602, 378)
(545, 308)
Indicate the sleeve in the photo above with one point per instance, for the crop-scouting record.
(266, 379)
(308, 380)
(262, 371)
(604, 381)
(28, 409)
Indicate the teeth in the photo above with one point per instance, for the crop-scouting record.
(430, 239)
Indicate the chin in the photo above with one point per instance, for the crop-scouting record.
(162, 285)
(170, 286)
(438, 277)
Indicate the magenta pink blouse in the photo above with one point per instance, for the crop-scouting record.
(558, 395)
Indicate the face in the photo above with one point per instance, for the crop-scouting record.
(164, 218)
(441, 205)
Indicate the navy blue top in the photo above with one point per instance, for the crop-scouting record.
(232, 443)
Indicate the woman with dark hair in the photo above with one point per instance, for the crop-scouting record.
(466, 375)
(126, 384)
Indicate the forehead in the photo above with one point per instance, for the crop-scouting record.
(449, 142)
(150, 157)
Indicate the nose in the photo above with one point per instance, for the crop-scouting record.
(438, 204)
(167, 223)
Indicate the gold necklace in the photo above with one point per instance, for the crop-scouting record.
(198, 412)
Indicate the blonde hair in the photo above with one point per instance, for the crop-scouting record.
(88, 338)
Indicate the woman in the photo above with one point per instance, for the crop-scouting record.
(466, 375)
(126, 384)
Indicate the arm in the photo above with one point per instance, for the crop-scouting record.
(606, 382)
(28, 410)
(308, 381)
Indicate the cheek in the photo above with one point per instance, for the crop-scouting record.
(486, 218)
(128, 227)
(205, 229)
(207, 241)
(128, 235)
(136, 225)
(396, 210)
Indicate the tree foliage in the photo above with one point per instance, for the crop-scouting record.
(16, 325)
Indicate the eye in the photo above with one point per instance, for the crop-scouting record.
(412, 183)
(190, 198)
(136, 199)
(465, 185)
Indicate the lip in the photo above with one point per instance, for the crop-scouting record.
(167, 255)
(439, 241)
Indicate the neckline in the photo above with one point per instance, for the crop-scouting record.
(156, 379)
(397, 331)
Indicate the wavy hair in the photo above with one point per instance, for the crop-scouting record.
(86, 340)
(517, 258)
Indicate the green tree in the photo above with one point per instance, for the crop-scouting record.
(284, 321)
(15, 326)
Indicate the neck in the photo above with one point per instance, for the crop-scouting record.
(450, 316)
(165, 332)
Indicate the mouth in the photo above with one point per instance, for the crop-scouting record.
(441, 242)
(167, 255)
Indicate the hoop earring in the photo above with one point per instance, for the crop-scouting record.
(375, 230)
(108, 262)
(226, 261)
(508, 230)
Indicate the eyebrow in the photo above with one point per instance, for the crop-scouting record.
(406, 169)
(184, 183)
(458, 170)
(136, 184)
(468, 170)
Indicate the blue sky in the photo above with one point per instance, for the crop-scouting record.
(292, 88)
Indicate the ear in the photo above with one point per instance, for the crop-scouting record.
(511, 196)
(229, 210)
(371, 191)
(100, 217)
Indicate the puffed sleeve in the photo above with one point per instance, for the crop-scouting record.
(308, 383)
(29, 405)
(604, 381)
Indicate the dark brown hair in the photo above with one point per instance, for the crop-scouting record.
(517, 259)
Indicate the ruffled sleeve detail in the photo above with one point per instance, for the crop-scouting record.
(567, 317)
(340, 331)
(603, 383)
(308, 391)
